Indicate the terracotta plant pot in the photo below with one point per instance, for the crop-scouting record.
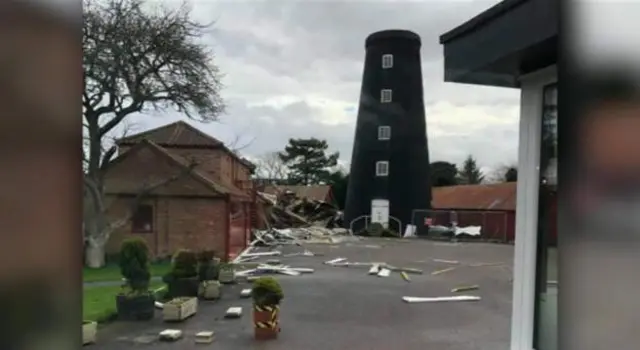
(266, 322)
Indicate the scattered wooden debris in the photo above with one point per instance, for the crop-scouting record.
(452, 262)
(405, 276)
(335, 261)
(384, 272)
(434, 273)
(465, 288)
(233, 312)
(170, 335)
(404, 269)
(302, 269)
(205, 337)
(486, 264)
(440, 299)
(287, 210)
(259, 254)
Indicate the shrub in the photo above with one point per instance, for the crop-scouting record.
(206, 256)
(207, 269)
(266, 291)
(184, 264)
(134, 264)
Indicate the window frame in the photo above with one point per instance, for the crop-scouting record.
(136, 221)
(382, 95)
(381, 134)
(378, 172)
(387, 58)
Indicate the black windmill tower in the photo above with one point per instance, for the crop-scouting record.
(390, 159)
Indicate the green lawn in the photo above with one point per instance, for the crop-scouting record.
(112, 272)
(99, 302)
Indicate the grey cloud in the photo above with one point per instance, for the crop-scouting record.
(268, 49)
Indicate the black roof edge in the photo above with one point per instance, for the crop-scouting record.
(491, 13)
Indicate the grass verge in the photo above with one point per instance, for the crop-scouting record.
(99, 302)
(112, 272)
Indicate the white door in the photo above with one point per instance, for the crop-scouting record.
(380, 212)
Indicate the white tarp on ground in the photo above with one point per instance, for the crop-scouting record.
(410, 231)
(468, 230)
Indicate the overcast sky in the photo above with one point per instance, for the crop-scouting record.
(293, 69)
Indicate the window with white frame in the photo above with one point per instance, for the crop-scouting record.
(387, 61)
(384, 132)
(386, 95)
(382, 168)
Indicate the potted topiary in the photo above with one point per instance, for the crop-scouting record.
(227, 273)
(182, 280)
(207, 275)
(135, 301)
(267, 295)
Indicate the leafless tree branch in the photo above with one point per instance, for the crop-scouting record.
(137, 61)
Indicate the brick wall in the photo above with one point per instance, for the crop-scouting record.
(189, 223)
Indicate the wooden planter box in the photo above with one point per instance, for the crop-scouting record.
(209, 290)
(227, 276)
(89, 331)
(179, 309)
(266, 322)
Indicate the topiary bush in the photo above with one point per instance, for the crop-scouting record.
(134, 265)
(184, 264)
(267, 291)
(207, 269)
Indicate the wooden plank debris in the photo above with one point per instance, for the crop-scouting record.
(434, 273)
(405, 276)
(452, 262)
(384, 272)
(335, 261)
(440, 299)
(465, 288)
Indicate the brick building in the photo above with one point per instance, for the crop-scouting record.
(207, 204)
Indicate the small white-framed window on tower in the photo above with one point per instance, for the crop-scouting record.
(382, 168)
(384, 132)
(386, 95)
(387, 61)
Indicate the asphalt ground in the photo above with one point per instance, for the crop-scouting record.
(338, 308)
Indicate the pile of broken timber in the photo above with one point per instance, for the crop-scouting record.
(286, 210)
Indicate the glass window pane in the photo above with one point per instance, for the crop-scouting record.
(545, 332)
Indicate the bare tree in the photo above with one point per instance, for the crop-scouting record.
(137, 61)
(270, 166)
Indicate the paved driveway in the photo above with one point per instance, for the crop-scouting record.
(338, 308)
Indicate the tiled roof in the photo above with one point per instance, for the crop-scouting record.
(500, 196)
(179, 133)
(317, 192)
(180, 161)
